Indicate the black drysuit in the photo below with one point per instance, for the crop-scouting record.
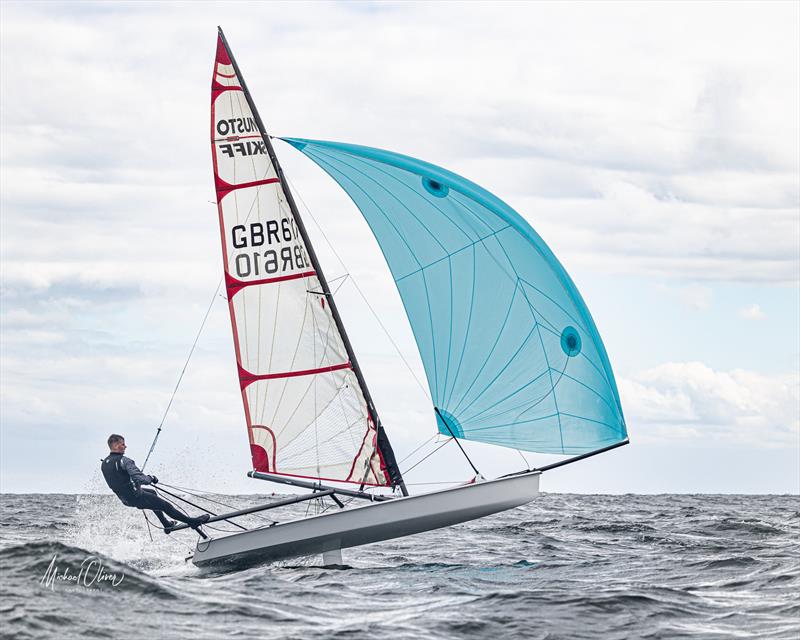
(125, 479)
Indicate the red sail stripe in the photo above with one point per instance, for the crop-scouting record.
(222, 54)
(224, 188)
(260, 455)
(226, 75)
(246, 378)
(234, 285)
(217, 88)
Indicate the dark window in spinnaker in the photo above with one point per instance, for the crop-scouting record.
(570, 341)
(435, 188)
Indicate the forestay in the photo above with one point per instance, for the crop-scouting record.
(511, 353)
(305, 411)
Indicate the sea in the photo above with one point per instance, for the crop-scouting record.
(563, 566)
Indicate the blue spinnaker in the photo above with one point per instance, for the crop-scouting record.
(511, 353)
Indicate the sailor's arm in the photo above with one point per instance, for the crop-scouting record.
(135, 473)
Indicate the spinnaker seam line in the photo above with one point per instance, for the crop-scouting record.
(471, 245)
(547, 362)
(566, 312)
(480, 413)
(464, 394)
(561, 374)
(433, 336)
(525, 406)
(589, 388)
(511, 424)
(449, 333)
(355, 167)
(496, 239)
(480, 393)
(449, 395)
(539, 419)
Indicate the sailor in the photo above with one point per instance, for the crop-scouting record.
(125, 479)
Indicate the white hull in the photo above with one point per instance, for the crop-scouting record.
(328, 533)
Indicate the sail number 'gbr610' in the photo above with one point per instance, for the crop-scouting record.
(284, 255)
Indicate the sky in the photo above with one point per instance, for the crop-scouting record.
(654, 146)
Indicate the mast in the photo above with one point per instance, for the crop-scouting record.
(383, 441)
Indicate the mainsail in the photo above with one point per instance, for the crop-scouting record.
(307, 409)
(511, 353)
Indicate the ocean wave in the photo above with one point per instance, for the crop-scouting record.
(751, 526)
(736, 562)
(564, 567)
(36, 559)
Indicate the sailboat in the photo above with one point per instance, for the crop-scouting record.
(510, 351)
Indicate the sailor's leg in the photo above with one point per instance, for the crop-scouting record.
(162, 518)
(149, 500)
(172, 511)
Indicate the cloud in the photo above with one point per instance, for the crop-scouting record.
(626, 151)
(695, 297)
(692, 402)
(752, 312)
(635, 140)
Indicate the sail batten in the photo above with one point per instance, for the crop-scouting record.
(511, 353)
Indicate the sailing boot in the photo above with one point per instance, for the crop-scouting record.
(196, 522)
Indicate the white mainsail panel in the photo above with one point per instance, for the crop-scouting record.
(305, 411)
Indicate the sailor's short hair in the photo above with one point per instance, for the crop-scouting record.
(114, 439)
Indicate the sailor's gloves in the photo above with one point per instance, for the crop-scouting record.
(153, 480)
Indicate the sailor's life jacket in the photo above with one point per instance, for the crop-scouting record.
(123, 476)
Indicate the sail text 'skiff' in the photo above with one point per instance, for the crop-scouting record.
(248, 148)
